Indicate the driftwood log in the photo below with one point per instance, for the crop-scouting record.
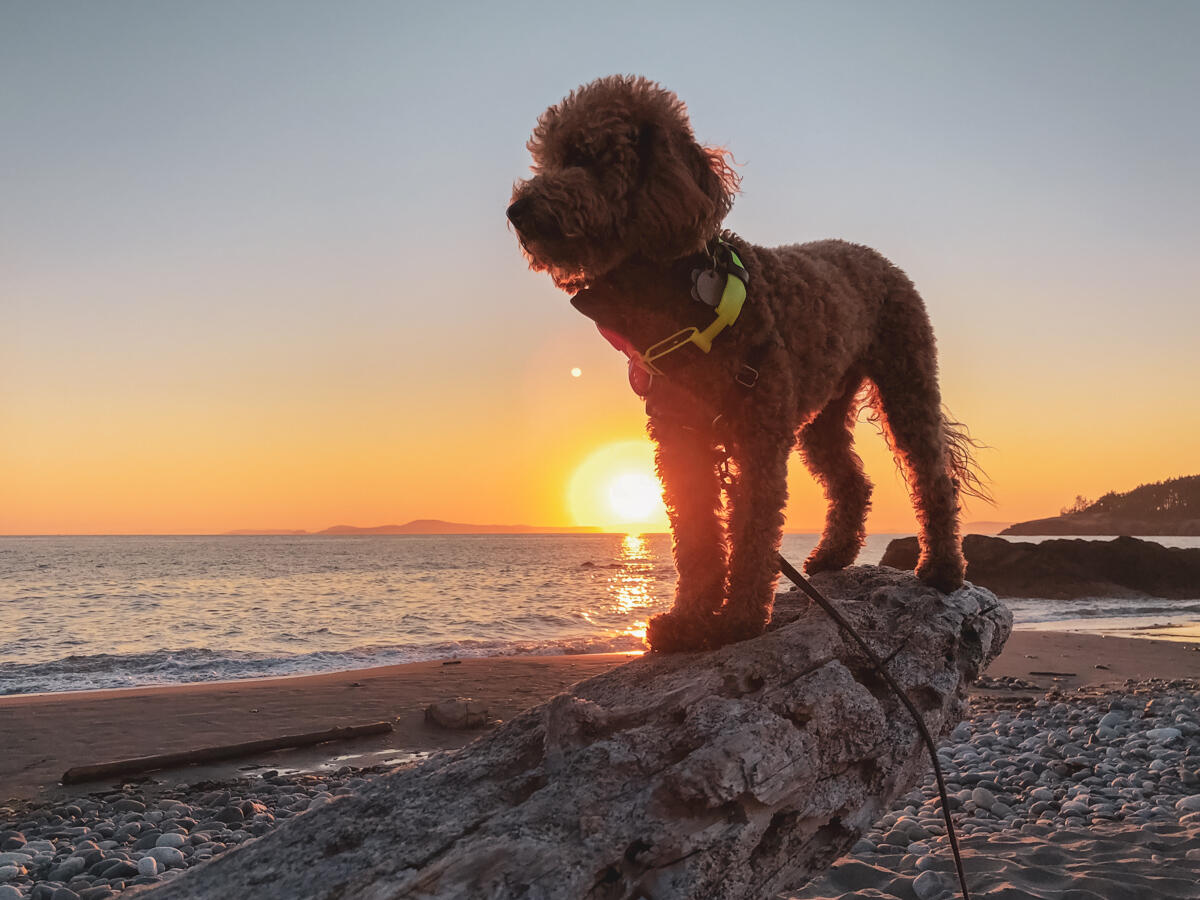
(141, 764)
(733, 774)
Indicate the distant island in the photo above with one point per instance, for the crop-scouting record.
(254, 531)
(1169, 507)
(430, 526)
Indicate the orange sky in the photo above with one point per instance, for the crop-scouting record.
(254, 273)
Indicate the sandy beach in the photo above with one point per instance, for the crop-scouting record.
(1051, 687)
(45, 734)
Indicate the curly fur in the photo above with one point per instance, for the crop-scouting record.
(622, 204)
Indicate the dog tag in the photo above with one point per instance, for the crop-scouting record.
(707, 286)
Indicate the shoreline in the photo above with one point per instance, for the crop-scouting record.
(45, 734)
(265, 679)
(1100, 627)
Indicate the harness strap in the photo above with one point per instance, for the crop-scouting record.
(728, 307)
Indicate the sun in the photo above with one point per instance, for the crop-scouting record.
(635, 496)
(616, 488)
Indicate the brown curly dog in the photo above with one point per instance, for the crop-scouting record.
(624, 210)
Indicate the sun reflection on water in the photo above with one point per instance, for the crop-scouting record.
(630, 585)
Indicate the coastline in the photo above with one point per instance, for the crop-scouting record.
(45, 734)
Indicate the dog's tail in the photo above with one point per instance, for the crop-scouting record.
(961, 462)
(970, 477)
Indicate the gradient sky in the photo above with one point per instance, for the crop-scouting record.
(254, 269)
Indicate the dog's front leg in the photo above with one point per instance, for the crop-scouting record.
(687, 465)
(758, 496)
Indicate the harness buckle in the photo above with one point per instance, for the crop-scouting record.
(747, 376)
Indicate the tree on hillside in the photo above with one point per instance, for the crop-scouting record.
(1080, 504)
(1175, 498)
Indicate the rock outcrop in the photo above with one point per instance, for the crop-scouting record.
(1065, 569)
(1099, 523)
(731, 774)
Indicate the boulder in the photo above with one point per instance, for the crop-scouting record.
(1066, 569)
(736, 773)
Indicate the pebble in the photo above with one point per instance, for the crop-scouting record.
(1164, 735)
(69, 868)
(928, 885)
(983, 798)
(147, 865)
(168, 857)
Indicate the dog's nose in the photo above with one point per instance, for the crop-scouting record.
(519, 213)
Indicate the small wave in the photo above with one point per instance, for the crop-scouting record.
(160, 667)
(1033, 611)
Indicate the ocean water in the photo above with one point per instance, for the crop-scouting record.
(80, 613)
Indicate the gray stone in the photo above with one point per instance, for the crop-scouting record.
(147, 865)
(168, 857)
(458, 714)
(983, 798)
(123, 868)
(9, 892)
(69, 868)
(1164, 735)
(147, 839)
(8, 873)
(738, 773)
(928, 885)
(170, 840)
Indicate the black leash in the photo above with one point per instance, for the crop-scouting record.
(805, 585)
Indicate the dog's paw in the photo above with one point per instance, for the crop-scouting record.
(735, 627)
(945, 573)
(829, 559)
(672, 632)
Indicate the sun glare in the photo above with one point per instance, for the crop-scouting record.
(616, 488)
(634, 496)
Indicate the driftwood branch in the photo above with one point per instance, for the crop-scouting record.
(732, 774)
(213, 754)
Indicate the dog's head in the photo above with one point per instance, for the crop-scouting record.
(617, 173)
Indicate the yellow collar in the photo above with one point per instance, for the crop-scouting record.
(733, 298)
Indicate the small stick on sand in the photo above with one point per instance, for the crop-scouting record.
(213, 754)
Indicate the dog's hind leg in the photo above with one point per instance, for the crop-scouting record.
(687, 464)
(904, 371)
(757, 497)
(827, 446)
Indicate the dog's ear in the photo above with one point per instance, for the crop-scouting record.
(715, 177)
(684, 192)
